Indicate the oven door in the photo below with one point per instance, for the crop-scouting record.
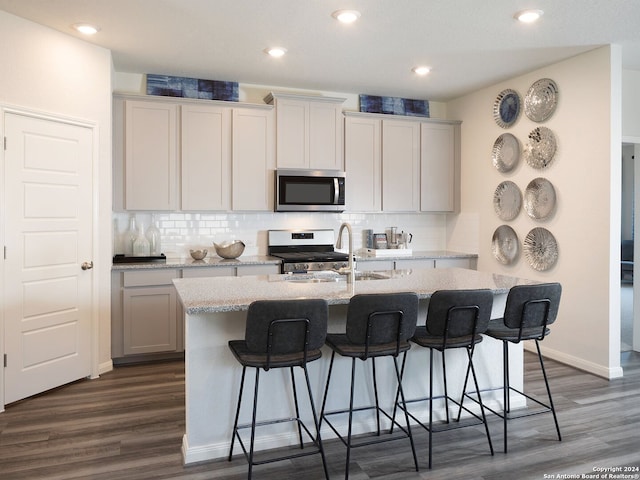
(309, 190)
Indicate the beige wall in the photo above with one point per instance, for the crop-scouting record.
(48, 72)
(586, 177)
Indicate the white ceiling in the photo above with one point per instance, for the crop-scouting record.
(469, 44)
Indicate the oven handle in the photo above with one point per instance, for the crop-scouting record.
(336, 190)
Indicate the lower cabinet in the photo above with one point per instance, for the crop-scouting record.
(147, 321)
(408, 263)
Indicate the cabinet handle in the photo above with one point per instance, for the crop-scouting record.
(87, 265)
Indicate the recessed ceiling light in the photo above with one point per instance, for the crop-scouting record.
(528, 16)
(421, 70)
(346, 16)
(86, 28)
(275, 51)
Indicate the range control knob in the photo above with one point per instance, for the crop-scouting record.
(320, 266)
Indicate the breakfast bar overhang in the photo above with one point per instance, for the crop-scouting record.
(215, 310)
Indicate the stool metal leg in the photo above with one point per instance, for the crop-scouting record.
(375, 394)
(235, 423)
(404, 408)
(475, 382)
(444, 381)
(295, 402)
(253, 423)
(316, 422)
(546, 383)
(353, 378)
(506, 407)
(430, 402)
(326, 389)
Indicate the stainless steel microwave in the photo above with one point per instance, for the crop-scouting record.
(299, 190)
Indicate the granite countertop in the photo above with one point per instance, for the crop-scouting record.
(209, 261)
(226, 294)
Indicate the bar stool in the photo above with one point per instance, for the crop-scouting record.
(529, 310)
(455, 319)
(280, 334)
(378, 325)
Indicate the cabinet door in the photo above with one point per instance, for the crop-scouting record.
(374, 265)
(402, 264)
(150, 320)
(252, 160)
(362, 164)
(206, 157)
(150, 156)
(456, 262)
(269, 269)
(325, 136)
(437, 168)
(400, 166)
(292, 133)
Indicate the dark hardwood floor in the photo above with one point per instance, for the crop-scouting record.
(129, 423)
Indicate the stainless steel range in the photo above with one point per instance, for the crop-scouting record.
(304, 251)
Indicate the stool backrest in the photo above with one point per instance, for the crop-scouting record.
(379, 318)
(459, 313)
(530, 306)
(280, 327)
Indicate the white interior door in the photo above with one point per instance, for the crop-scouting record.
(48, 230)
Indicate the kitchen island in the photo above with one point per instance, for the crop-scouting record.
(215, 310)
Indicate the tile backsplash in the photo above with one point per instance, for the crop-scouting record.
(183, 231)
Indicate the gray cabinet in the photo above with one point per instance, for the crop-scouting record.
(309, 131)
(182, 154)
(401, 165)
(410, 263)
(146, 316)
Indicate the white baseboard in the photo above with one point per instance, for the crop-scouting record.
(105, 367)
(579, 363)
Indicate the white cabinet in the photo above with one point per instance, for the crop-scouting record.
(403, 264)
(183, 154)
(309, 131)
(253, 160)
(150, 155)
(267, 269)
(363, 155)
(147, 318)
(400, 166)
(205, 157)
(439, 166)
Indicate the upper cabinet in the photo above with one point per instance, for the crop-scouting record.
(150, 150)
(439, 167)
(407, 164)
(206, 157)
(180, 154)
(253, 160)
(400, 166)
(309, 131)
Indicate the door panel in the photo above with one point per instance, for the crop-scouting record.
(47, 296)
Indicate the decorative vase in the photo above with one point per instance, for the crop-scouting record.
(153, 236)
(141, 244)
(130, 236)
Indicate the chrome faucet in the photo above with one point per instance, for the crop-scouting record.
(350, 270)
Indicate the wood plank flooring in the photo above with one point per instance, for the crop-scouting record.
(128, 424)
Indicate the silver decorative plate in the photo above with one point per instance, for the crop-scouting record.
(541, 249)
(541, 100)
(539, 198)
(507, 200)
(506, 108)
(506, 152)
(504, 245)
(541, 148)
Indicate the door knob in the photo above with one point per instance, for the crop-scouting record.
(87, 265)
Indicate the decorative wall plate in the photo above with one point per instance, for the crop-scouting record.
(541, 249)
(506, 108)
(507, 200)
(539, 198)
(541, 100)
(504, 245)
(541, 148)
(506, 152)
